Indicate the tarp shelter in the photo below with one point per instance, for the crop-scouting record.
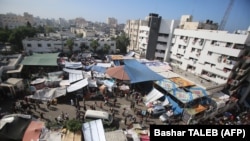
(75, 75)
(181, 82)
(48, 93)
(93, 131)
(153, 95)
(18, 70)
(166, 84)
(15, 129)
(175, 107)
(33, 131)
(138, 72)
(73, 65)
(105, 65)
(156, 65)
(78, 85)
(45, 59)
(99, 69)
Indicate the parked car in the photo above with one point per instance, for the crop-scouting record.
(158, 110)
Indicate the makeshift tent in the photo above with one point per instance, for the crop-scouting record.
(33, 131)
(105, 65)
(175, 107)
(48, 93)
(73, 65)
(92, 83)
(74, 75)
(99, 69)
(78, 85)
(15, 129)
(138, 72)
(93, 131)
(153, 95)
(45, 59)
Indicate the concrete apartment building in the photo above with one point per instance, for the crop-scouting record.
(198, 51)
(150, 38)
(112, 22)
(46, 45)
(12, 20)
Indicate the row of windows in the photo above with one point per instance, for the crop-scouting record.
(49, 45)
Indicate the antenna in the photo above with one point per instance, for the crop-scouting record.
(226, 15)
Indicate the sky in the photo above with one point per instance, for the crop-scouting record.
(123, 10)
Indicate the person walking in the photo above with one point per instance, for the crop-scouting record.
(71, 102)
(125, 120)
(48, 104)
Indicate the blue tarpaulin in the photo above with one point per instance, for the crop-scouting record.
(99, 69)
(175, 107)
(138, 72)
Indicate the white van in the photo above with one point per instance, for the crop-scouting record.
(94, 115)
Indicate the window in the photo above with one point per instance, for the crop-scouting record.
(39, 45)
(49, 45)
(76, 45)
(209, 53)
(213, 42)
(181, 37)
(112, 44)
(29, 45)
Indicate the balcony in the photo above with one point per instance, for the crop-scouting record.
(161, 47)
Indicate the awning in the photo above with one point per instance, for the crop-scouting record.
(153, 95)
(17, 70)
(37, 81)
(73, 65)
(93, 131)
(78, 85)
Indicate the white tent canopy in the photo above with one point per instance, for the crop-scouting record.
(93, 131)
(78, 85)
(73, 65)
(48, 93)
(153, 95)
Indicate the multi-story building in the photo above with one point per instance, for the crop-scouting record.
(43, 45)
(12, 20)
(112, 22)
(197, 48)
(150, 38)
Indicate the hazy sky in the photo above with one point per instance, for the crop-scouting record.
(122, 10)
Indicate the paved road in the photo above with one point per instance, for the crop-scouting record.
(64, 105)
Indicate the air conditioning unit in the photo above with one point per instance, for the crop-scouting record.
(229, 62)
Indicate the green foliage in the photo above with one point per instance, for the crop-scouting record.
(122, 42)
(70, 44)
(74, 125)
(17, 35)
(94, 45)
(106, 49)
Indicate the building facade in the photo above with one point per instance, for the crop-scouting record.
(47, 45)
(150, 38)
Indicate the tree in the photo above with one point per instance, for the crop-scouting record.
(94, 45)
(83, 47)
(122, 42)
(28, 24)
(18, 34)
(70, 44)
(74, 125)
(106, 48)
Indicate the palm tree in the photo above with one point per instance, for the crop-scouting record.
(94, 44)
(83, 47)
(70, 44)
(106, 48)
(122, 42)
